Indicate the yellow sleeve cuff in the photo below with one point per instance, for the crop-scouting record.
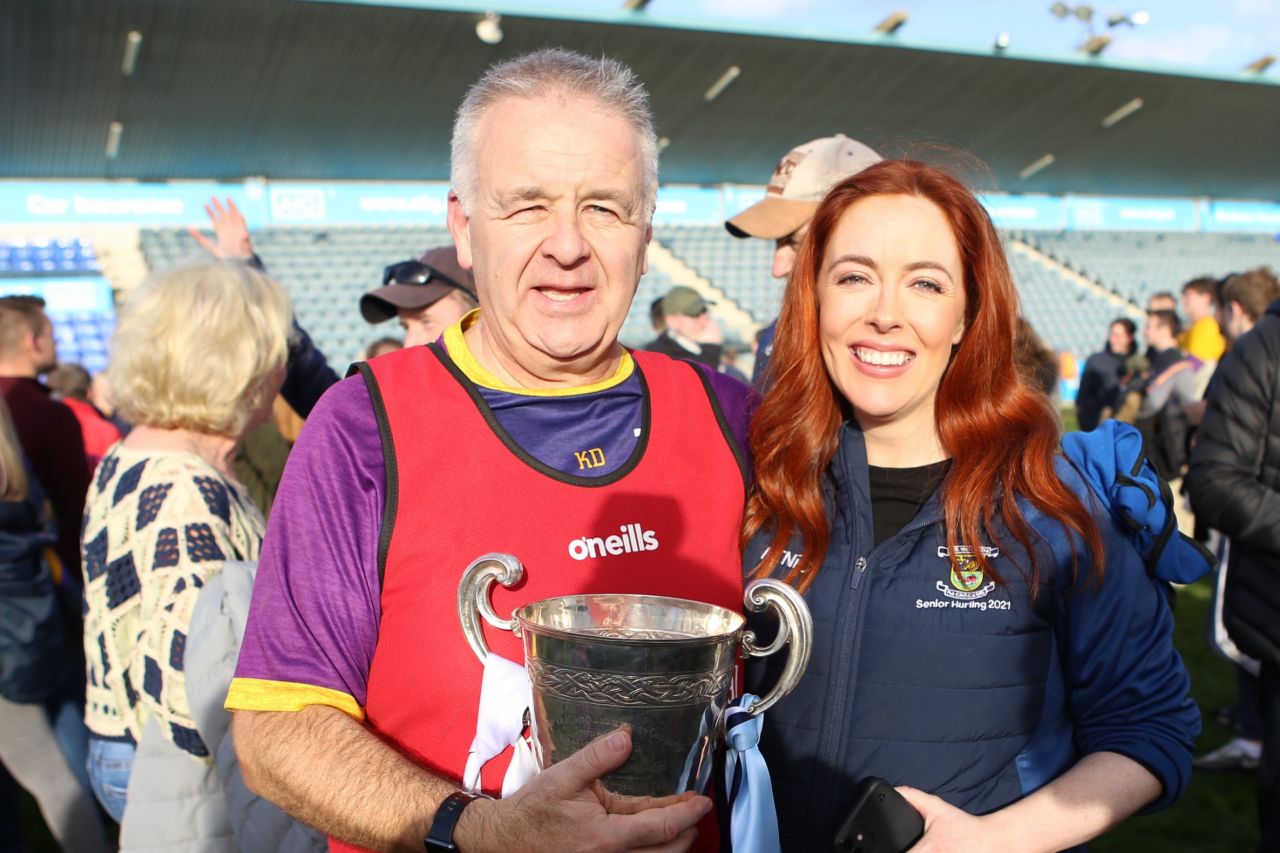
(258, 694)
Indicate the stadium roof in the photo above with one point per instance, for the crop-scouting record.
(290, 89)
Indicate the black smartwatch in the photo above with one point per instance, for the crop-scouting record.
(441, 835)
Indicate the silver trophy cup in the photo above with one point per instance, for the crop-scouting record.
(662, 666)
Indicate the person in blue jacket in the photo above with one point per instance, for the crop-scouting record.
(987, 637)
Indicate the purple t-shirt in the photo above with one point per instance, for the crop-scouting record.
(313, 622)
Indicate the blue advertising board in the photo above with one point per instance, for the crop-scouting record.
(689, 206)
(123, 202)
(63, 294)
(1256, 216)
(1026, 211)
(1132, 214)
(358, 203)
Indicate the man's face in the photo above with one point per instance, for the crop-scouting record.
(1196, 305)
(691, 327)
(425, 325)
(1233, 320)
(44, 348)
(1155, 333)
(557, 236)
(784, 253)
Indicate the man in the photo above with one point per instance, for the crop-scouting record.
(1202, 339)
(1234, 484)
(1162, 301)
(800, 180)
(1174, 382)
(72, 383)
(428, 295)
(49, 432)
(1243, 299)
(690, 332)
(1161, 335)
(525, 429)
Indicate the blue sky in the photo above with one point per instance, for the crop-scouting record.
(1205, 35)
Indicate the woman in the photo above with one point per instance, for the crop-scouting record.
(36, 664)
(1010, 657)
(197, 358)
(1100, 380)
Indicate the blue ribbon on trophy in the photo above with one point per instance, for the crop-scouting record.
(753, 820)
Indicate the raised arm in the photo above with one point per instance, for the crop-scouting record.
(231, 233)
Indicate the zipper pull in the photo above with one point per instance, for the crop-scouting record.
(859, 569)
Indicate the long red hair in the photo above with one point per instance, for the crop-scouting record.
(1000, 434)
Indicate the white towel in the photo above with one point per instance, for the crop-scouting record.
(505, 701)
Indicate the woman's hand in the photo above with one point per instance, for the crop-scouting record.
(229, 229)
(947, 829)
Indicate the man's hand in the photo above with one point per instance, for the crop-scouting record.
(565, 808)
(229, 228)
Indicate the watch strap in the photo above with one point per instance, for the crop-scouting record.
(440, 837)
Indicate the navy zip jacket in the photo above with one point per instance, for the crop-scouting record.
(928, 674)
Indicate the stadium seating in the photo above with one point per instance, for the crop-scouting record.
(82, 337)
(1135, 264)
(737, 267)
(47, 256)
(326, 270)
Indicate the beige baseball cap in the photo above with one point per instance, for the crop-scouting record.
(800, 181)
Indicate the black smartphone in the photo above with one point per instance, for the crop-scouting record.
(880, 821)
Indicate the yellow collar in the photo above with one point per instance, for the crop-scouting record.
(462, 356)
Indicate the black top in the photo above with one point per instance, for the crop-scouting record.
(898, 493)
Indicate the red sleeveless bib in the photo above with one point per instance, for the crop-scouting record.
(666, 523)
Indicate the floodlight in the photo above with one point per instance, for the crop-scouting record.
(663, 142)
(1095, 45)
(1134, 19)
(890, 25)
(1260, 65)
(1002, 43)
(635, 5)
(489, 28)
(1060, 10)
(1084, 12)
(1043, 163)
(114, 132)
(731, 73)
(1121, 113)
(132, 44)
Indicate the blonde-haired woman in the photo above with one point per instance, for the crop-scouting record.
(198, 356)
(34, 659)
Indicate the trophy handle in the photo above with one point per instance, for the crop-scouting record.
(473, 597)
(795, 626)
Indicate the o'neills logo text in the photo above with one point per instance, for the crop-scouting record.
(632, 538)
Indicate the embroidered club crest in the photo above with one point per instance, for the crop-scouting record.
(966, 576)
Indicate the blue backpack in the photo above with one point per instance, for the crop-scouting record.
(1112, 459)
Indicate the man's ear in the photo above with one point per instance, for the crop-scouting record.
(459, 223)
(644, 253)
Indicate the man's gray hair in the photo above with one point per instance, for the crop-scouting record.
(554, 71)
